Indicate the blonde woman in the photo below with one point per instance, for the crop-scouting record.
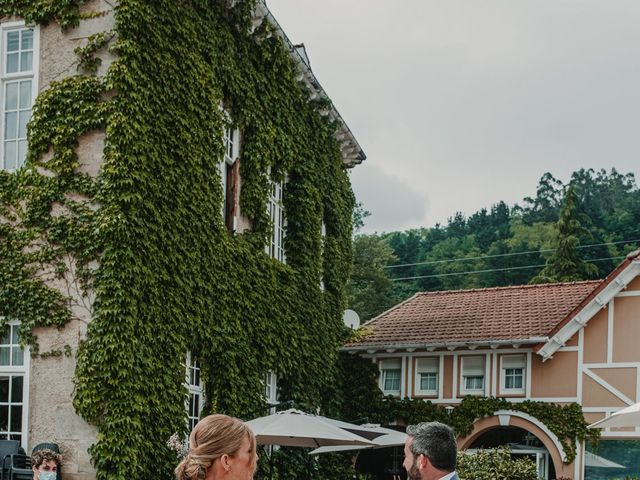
(220, 447)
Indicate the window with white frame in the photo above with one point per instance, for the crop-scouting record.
(390, 375)
(512, 371)
(196, 392)
(19, 48)
(275, 247)
(13, 386)
(473, 375)
(427, 375)
(231, 141)
(271, 388)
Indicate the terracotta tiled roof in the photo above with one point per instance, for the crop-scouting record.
(489, 314)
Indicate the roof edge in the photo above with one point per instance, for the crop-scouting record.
(450, 345)
(350, 149)
(599, 298)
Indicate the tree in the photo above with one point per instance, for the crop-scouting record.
(370, 290)
(359, 214)
(545, 206)
(565, 264)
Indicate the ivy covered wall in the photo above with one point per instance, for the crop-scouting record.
(146, 237)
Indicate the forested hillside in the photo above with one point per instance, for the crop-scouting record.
(570, 232)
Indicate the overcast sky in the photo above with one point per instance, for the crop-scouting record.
(461, 104)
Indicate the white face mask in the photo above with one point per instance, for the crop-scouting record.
(48, 475)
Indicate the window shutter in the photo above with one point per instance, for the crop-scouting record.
(390, 364)
(473, 366)
(513, 361)
(427, 365)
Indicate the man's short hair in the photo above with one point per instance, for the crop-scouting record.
(436, 441)
(41, 456)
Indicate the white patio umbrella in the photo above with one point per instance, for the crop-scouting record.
(627, 417)
(593, 460)
(386, 438)
(294, 428)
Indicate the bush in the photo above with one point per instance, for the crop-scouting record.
(495, 465)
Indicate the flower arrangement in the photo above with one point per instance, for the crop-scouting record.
(181, 447)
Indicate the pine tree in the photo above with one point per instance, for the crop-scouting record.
(565, 264)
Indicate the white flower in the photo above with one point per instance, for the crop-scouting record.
(181, 447)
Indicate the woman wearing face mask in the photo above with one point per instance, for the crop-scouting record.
(45, 464)
(220, 448)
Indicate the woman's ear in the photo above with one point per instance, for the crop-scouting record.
(224, 461)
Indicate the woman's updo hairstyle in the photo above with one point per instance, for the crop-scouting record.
(212, 437)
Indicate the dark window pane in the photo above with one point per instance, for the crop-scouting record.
(16, 418)
(16, 437)
(4, 418)
(27, 39)
(5, 356)
(5, 335)
(4, 389)
(17, 356)
(16, 388)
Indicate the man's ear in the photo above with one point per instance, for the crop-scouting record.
(423, 462)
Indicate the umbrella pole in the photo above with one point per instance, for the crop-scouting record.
(271, 464)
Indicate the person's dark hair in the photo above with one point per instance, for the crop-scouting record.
(41, 456)
(436, 441)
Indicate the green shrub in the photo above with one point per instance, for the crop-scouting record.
(495, 465)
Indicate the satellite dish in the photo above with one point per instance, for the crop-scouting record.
(351, 319)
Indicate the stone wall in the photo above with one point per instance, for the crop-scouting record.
(51, 414)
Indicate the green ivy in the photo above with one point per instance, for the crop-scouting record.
(65, 12)
(170, 278)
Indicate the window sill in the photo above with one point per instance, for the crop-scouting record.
(426, 393)
(512, 393)
(475, 393)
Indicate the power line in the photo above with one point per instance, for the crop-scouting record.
(432, 262)
(493, 270)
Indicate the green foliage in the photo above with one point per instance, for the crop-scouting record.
(88, 62)
(34, 243)
(504, 246)
(370, 290)
(495, 465)
(169, 274)
(566, 264)
(65, 12)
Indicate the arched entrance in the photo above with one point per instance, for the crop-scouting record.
(508, 426)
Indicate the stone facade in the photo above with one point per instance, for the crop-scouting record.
(51, 416)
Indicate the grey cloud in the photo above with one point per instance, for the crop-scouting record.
(392, 202)
(469, 102)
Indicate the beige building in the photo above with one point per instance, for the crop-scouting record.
(560, 343)
(36, 393)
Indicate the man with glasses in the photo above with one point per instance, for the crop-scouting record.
(430, 452)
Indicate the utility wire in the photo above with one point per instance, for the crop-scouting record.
(505, 254)
(493, 270)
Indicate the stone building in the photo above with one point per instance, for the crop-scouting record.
(37, 391)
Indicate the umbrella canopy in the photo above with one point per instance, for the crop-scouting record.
(627, 417)
(386, 437)
(294, 428)
(593, 460)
